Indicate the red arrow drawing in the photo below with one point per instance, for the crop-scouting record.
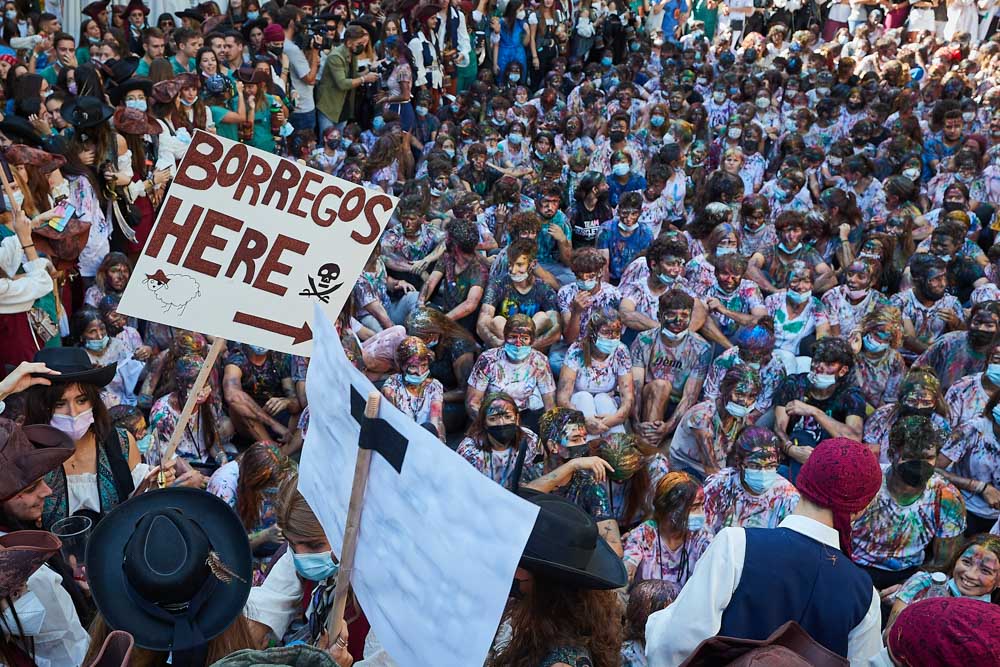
(297, 334)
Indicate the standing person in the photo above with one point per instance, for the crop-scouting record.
(18, 294)
(562, 610)
(735, 592)
(510, 37)
(335, 91)
(425, 49)
(303, 67)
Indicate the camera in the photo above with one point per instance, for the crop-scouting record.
(311, 27)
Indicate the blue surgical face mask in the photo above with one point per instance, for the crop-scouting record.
(97, 345)
(516, 352)
(253, 16)
(421, 110)
(586, 285)
(378, 123)
(607, 345)
(256, 349)
(724, 250)
(450, 152)
(996, 413)
(696, 521)
(144, 442)
(798, 297)
(874, 345)
(822, 380)
(953, 587)
(993, 373)
(515, 77)
(787, 250)
(615, 81)
(760, 481)
(606, 61)
(410, 378)
(11, 14)
(136, 104)
(345, 143)
(665, 279)
(620, 169)
(737, 410)
(515, 138)
(315, 567)
(657, 121)
(188, 103)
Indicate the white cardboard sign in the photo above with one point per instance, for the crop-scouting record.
(439, 542)
(246, 242)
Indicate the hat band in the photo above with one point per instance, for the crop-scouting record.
(186, 632)
(563, 554)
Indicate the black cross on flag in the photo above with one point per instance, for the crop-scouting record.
(377, 434)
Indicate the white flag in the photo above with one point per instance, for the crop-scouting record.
(439, 542)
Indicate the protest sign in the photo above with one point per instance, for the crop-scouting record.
(246, 242)
(438, 542)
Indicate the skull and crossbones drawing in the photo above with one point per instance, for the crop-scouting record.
(322, 286)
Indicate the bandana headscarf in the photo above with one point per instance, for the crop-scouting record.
(186, 370)
(946, 631)
(754, 339)
(843, 476)
(756, 443)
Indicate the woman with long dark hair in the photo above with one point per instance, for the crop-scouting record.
(562, 609)
(249, 484)
(498, 446)
(200, 442)
(104, 469)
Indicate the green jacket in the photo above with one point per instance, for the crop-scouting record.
(335, 90)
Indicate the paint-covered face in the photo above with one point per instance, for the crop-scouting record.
(761, 458)
(519, 336)
(745, 392)
(984, 321)
(671, 267)
(872, 249)
(728, 280)
(416, 365)
(934, 285)
(791, 236)
(919, 398)
(858, 276)
(500, 413)
(977, 571)
(728, 241)
(613, 330)
(676, 320)
(118, 276)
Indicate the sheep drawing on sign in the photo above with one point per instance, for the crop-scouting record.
(175, 290)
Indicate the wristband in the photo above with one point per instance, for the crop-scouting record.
(982, 488)
(25, 247)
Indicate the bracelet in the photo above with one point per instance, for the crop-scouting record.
(25, 247)
(982, 488)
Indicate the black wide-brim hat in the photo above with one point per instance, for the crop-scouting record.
(86, 111)
(117, 93)
(564, 544)
(20, 131)
(113, 593)
(74, 365)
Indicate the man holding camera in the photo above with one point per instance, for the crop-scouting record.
(335, 93)
(302, 68)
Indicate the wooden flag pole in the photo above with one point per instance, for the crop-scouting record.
(335, 621)
(192, 399)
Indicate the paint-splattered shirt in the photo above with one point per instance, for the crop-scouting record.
(607, 297)
(600, 376)
(760, 241)
(588, 494)
(849, 315)
(879, 379)
(499, 465)
(917, 588)
(951, 358)
(622, 249)
(646, 302)
(878, 425)
(891, 536)
(656, 467)
(728, 503)
(789, 330)
(508, 301)
(395, 244)
(927, 325)
(975, 454)
(426, 406)
(684, 362)
(494, 371)
(703, 417)
(845, 401)
(646, 550)
(771, 376)
(966, 399)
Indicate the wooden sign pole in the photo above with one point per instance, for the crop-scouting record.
(192, 399)
(335, 621)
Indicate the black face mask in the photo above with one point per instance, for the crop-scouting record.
(907, 410)
(276, 50)
(503, 433)
(617, 136)
(749, 146)
(980, 339)
(952, 206)
(914, 473)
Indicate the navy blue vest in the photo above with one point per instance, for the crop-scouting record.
(790, 577)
